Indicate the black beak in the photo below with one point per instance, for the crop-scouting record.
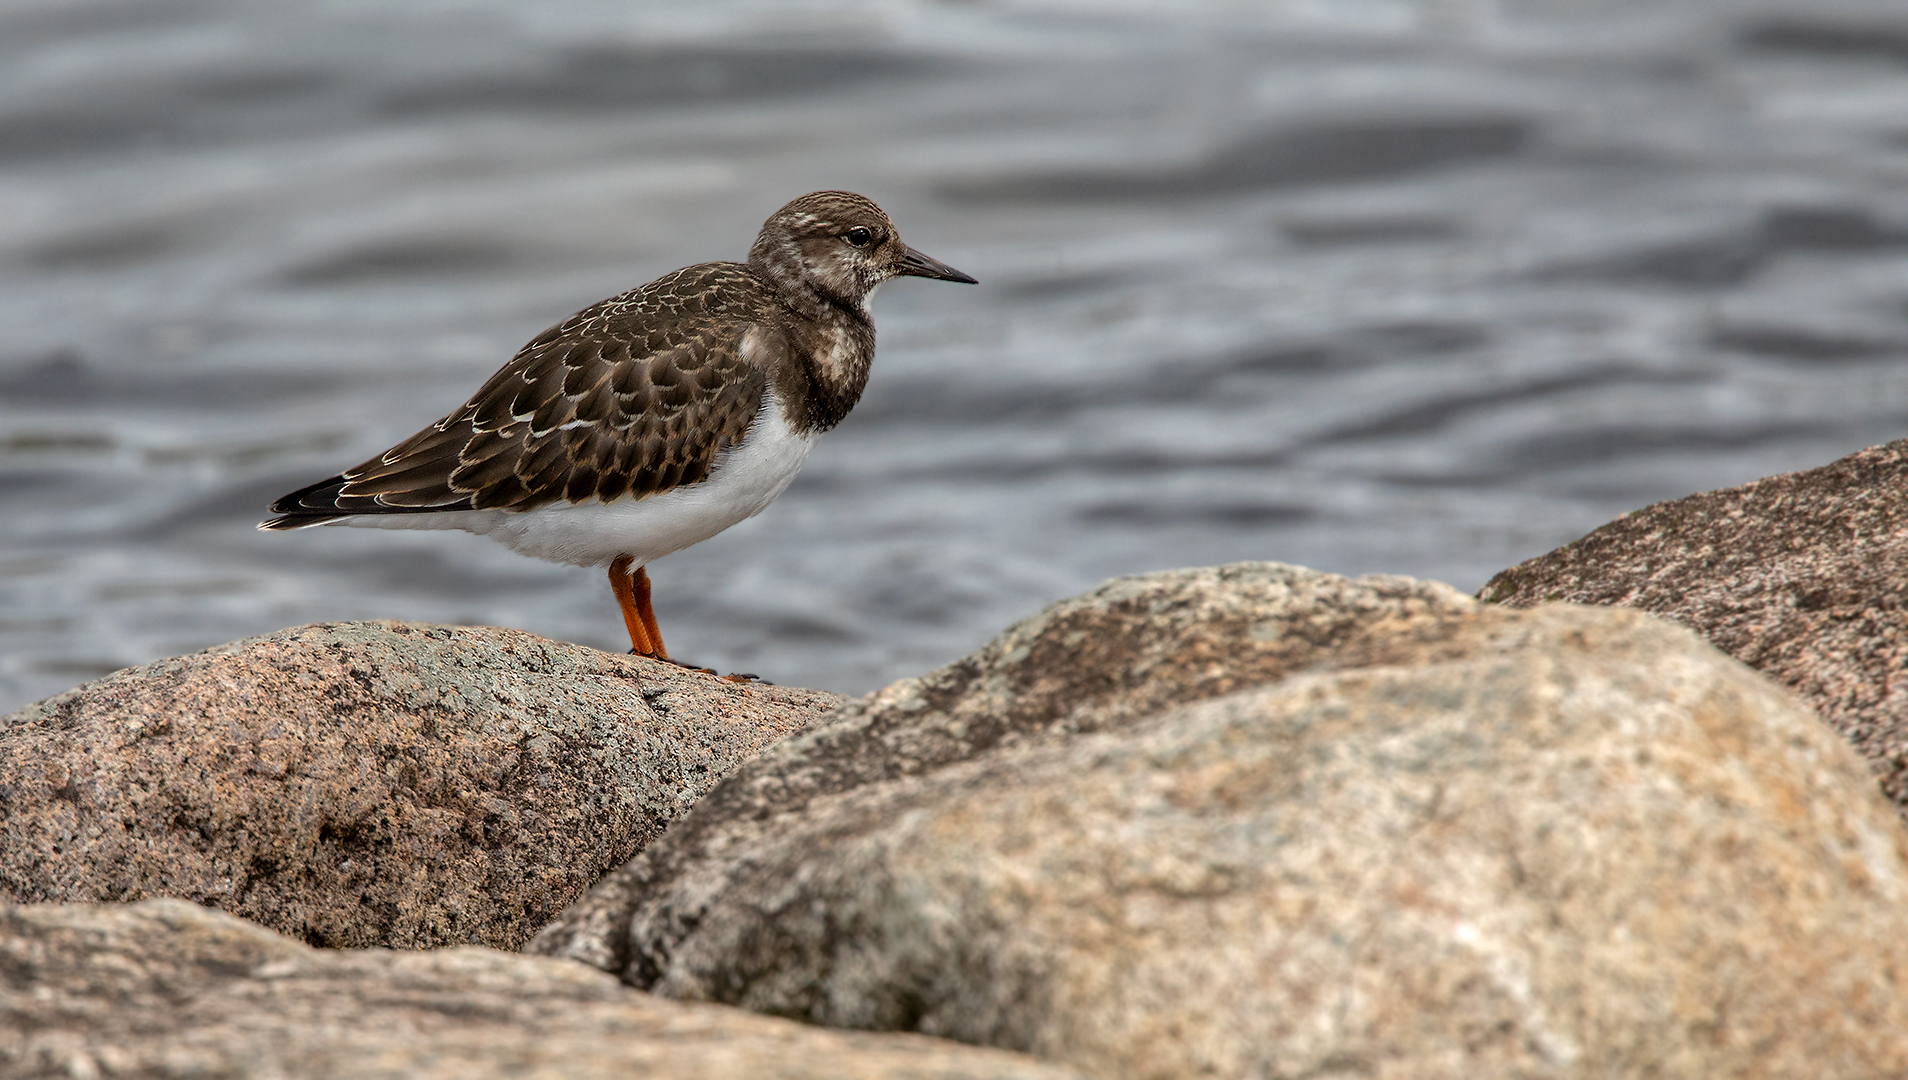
(915, 264)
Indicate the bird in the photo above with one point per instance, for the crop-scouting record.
(652, 420)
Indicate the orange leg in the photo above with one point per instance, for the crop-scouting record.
(632, 595)
(647, 613)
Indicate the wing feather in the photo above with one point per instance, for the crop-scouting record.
(633, 396)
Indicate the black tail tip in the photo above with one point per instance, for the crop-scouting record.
(296, 521)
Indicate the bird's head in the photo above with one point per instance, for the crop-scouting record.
(837, 247)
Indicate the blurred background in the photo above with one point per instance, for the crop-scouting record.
(1410, 286)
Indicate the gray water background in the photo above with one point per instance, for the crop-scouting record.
(1409, 286)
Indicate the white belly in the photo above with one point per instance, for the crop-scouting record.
(744, 481)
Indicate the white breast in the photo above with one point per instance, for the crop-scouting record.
(745, 480)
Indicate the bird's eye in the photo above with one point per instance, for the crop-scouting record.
(858, 236)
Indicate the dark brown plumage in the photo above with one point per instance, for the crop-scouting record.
(639, 393)
(630, 396)
(648, 393)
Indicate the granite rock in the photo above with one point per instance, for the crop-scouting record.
(164, 989)
(1263, 822)
(1800, 576)
(372, 783)
(1091, 663)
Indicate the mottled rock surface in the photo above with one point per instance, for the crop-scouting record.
(372, 783)
(167, 989)
(1262, 822)
(1803, 577)
(1094, 662)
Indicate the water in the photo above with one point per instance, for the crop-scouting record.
(1416, 286)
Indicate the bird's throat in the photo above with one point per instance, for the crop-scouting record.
(834, 353)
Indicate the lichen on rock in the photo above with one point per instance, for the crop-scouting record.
(1800, 576)
(1281, 823)
(375, 783)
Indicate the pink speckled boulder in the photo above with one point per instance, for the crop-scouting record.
(1803, 577)
(371, 783)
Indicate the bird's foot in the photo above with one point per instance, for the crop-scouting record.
(748, 678)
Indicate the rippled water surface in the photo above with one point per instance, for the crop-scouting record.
(1417, 287)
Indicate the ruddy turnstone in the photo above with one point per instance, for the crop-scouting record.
(652, 420)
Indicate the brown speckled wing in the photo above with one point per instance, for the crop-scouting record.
(632, 396)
